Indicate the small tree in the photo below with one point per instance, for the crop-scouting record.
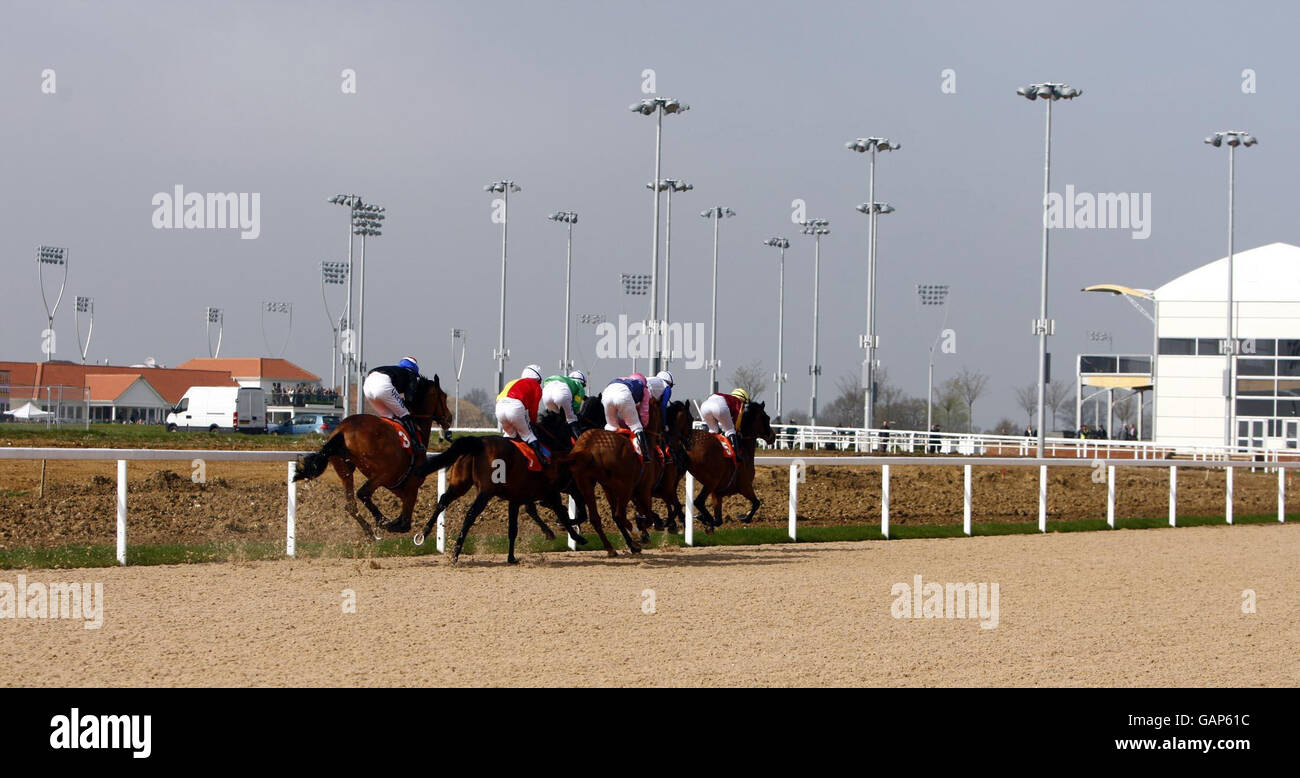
(970, 387)
(479, 398)
(1027, 401)
(1057, 396)
(751, 378)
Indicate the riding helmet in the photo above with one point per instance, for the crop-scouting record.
(532, 371)
(579, 376)
(410, 364)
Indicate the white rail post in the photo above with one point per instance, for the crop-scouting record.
(1281, 494)
(1228, 507)
(1173, 495)
(1110, 496)
(965, 522)
(884, 501)
(291, 513)
(121, 511)
(689, 507)
(573, 513)
(442, 517)
(1042, 498)
(794, 496)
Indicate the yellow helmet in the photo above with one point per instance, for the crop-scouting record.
(741, 393)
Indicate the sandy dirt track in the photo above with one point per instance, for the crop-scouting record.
(1148, 607)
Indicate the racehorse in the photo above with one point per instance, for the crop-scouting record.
(717, 475)
(374, 446)
(679, 426)
(495, 465)
(662, 474)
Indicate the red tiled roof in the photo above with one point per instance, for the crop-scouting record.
(252, 367)
(169, 382)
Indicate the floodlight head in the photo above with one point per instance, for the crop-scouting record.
(1249, 140)
(1215, 140)
(780, 243)
(51, 255)
(85, 304)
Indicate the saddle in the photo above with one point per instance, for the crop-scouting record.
(534, 464)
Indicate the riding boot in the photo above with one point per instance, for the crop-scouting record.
(734, 440)
(417, 445)
(646, 451)
(536, 446)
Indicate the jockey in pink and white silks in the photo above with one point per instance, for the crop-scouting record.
(627, 405)
(390, 390)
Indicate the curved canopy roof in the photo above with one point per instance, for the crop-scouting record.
(1144, 294)
(1269, 273)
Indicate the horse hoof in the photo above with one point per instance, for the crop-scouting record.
(418, 539)
(611, 553)
(397, 526)
(635, 550)
(581, 540)
(512, 561)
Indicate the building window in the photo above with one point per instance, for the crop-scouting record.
(1183, 347)
(1254, 407)
(1256, 367)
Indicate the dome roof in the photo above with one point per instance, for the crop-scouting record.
(1268, 273)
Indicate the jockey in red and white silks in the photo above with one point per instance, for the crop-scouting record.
(720, 412)
(517, 408)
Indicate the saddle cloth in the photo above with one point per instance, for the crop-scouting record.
(401, 434)
(636, 444)
(727, 450)
(534, 464)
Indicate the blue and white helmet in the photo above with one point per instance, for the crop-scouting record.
(665, 376)
(579, 376)
(532, 371)
(410, 364)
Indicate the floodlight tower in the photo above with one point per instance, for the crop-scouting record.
(567, 218)
(504, 188)
(85, 305)
(54, 257)
(816, 228)
(779, 377)
(717, 213)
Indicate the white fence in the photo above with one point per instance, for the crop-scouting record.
(798, 472)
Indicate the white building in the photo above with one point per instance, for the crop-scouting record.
(1190, 368)
(1191, 375)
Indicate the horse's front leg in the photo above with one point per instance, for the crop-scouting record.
(532, 514)
(345, 473)
(512, 530)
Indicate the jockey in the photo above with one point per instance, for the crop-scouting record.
(661, 389)
(391, 390)
(723, 411)
(564, 394)
(517, 408)
(627, 404)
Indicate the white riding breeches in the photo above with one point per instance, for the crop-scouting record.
(557, 397)
(513, 418)
(378, 389)
(620, 408)
(715, 413)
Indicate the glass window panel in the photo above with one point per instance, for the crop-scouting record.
(1288, 348)
(1261, 346)
(1288, 408)
(1096, 364)
(1208, 346)
(1177, 346)
(1255, 366)
(1255, 407)
(1288, 388)
(1259, 387)
(1135, 364)
(1288, 367)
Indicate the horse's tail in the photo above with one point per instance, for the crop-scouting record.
(313, 464)
(470, 445)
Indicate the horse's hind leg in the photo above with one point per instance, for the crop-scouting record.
(475, 508)
(556, 506)
(532, 514)
(748, 493)
(512, 529)
(345, 472)
(593, 513)
(618, 507)
(364, 493)
(455, 490)
(700, 503)
(408, 496)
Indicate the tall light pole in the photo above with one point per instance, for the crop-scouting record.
(635, 285)
(459, 364)
(816, 228)
(717, 213)
(85, 305)
(779, 376)
(933, 294)
(347, 337)
(54, 257)
(1043, 326)
(367, 222)
(657, 107)
(871, 340)
(504, 187)
(1232, 139)
(668, 185)
(333, 274)
(567, 218)
(276, 307)
(217, 317)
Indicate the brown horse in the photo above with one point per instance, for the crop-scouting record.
(680, 423)
(495, 465)
(717, 475)
(372, 445)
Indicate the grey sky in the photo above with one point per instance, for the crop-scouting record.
(245, 97)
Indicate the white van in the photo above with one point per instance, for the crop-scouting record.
(220, 408)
